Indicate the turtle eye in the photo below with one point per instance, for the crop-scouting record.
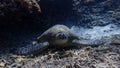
(61, 36)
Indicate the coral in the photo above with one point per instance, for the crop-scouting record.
(30, 4)
(85, 57)
(88, 1)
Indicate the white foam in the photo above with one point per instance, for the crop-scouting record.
(96, 32)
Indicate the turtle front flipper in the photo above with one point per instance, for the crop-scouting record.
(31, 49)
(88, 42)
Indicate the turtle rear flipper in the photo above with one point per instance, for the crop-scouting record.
(88, 42)
(31, 49)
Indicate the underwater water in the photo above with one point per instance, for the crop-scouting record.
(88, 19)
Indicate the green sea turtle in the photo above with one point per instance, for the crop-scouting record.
(57, 36)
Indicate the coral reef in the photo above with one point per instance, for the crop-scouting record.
(86, 57)
(30, 4)
(13, 12)
(92, 13)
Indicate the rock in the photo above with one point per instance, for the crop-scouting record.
(2, 63)
(30, 4)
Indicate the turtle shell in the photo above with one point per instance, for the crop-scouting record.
(58, 35)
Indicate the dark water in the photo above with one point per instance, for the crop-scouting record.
(93, 19)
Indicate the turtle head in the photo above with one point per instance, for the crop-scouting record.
(61, 38)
